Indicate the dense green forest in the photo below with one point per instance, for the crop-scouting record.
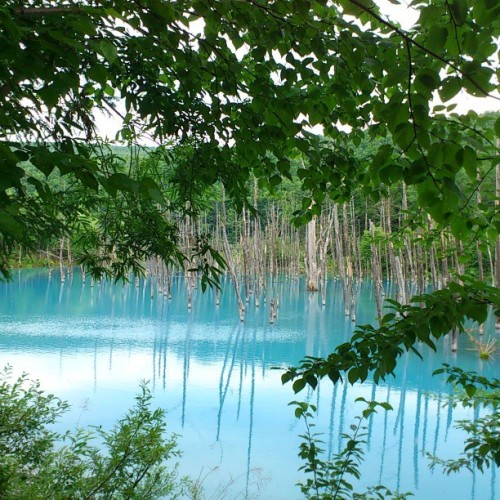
(263, 137)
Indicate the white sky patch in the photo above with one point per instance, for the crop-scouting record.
(466, 102)
(403, 13)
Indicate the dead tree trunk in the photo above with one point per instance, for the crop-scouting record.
(340, 257)
(377, 273)
(311, 256)
(61, 260)
(230, 262)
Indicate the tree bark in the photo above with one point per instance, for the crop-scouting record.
(311, 256)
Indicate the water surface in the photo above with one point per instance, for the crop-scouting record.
(215, 377)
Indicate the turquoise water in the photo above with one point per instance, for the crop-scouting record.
(213, 374)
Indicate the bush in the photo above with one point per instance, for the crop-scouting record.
(129, 461)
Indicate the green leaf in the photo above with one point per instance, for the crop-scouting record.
(470, 390)
(109, 51)
(436, 38)
(274, 181)
(427, 79)
(404, 135)
(151, 189)
(469, 162)
(476, 311)
(353, 375)
(459, 11)
(10, 224)
(450, 87)
(298, 385)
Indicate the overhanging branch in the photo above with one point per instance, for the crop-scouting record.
(412, 41)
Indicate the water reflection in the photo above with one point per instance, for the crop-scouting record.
(92, 345)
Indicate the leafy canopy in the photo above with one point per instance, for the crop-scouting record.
(242, 83)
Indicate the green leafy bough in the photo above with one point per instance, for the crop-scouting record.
(376, 350)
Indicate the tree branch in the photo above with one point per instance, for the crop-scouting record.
(43, 11)
(411, 40)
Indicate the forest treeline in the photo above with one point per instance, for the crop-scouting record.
(380, 235)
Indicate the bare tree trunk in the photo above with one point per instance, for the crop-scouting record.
(230, 262)
(399, 276)
(432, 260)
(444, 261)
(69, 257)
(377, 273)
(356, 254)
(61, 260)
(246, 254)
(48, 261)
(340, 258)
(324, 242)
(454, 340)
(407, 242)
(258, 272)
(349, 268)
(311, 256)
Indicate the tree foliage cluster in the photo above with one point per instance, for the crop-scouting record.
(36, 462)
(333, 478)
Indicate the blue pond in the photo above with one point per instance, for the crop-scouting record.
(214, 375)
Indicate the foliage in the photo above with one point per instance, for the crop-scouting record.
(370, 349)
(482, 446)
(129, 461)
(330, 479)
(241, 85)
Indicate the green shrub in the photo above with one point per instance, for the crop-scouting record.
(129, 461)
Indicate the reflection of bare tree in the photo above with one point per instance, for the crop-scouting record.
(240, 385)
(61, 291)
(185, 371)
(110, 361)
(400, 421)
(252, 397)
(332, 421)
(438, 422)
(342, 416)
(384, 439)
(95, 366)
(426, 419)
(160, 350)
(417, 430)
(313, 310)
(223, 388)
(165, 349)
(449, 417)
(155, 350)
(370, 418)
